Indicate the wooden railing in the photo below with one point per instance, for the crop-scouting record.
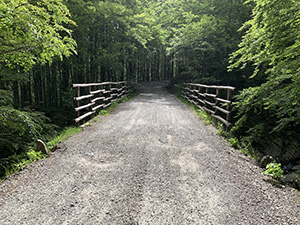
(92, 97)
(215, 100)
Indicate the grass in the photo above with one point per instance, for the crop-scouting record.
(17, 162)
(202, 115)
(63, 136)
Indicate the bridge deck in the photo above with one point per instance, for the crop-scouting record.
(150, 162)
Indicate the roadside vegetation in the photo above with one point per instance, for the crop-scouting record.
(273, 168)
(17, 162)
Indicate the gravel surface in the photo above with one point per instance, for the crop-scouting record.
(152, 161)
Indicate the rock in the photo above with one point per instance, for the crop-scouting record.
(287, 167)
(284, 147)
(291, 178)
(40, 146)
(61, 146)
(297, 162)
(54, 148)
(265, 161)
(295, 168)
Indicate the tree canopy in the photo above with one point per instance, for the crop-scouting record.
(47, 45)
(34, 32)
(271, 45)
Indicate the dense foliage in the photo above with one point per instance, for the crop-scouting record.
(31, 32)
(47, 45)
(202, 45)
(271, 46)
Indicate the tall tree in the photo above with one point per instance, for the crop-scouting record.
(206, 37)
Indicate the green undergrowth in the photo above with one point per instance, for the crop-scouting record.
(202, 115)
(17, 162)
(279, 178)
(244, 145)
(274, 170)
(63, 136)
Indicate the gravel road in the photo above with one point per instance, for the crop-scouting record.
(152, 161)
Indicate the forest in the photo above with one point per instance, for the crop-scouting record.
(253, 45)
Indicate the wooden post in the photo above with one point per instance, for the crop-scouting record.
(216, 99)
(90, 99)
(206, 92)
(126, 88)
(77, 104)
(101, 94)
(109, 88)
(229, 97)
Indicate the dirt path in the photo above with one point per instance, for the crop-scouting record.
(150, 162)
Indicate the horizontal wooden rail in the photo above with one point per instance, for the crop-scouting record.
(216, 100)
(98, 84)
(96, 96)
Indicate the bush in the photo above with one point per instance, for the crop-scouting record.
(20, 128)
(274, 170)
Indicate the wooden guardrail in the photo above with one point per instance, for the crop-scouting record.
(215, 100)
(89, 98)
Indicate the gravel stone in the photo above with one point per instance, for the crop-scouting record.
(152, 161)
